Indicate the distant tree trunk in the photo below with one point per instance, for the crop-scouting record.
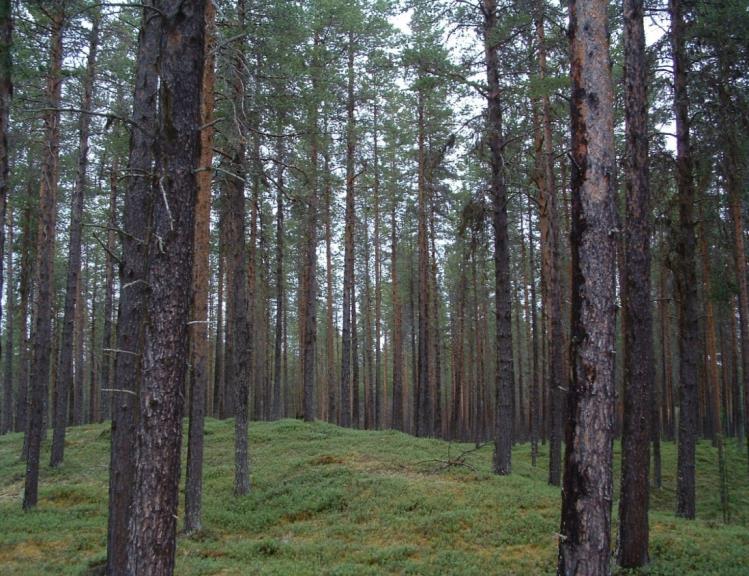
(40, 368)
(219, 353)
(639, 369)
(153, 521)
(280, 284)
(552, 294)
(199, 318)
(397, 415)
(584, 542)
(76, 416)
(107, 357)
(93, 384)
(369, 393)
(686, 276)
(535, 392)
(10, 294)
(355, 401)
(422, 399)
(503, 416)
(308, 335)
(65, 378)
(713, 379)
(136, 229)
(6, 92)
(348, 257)
(378, 393)
(28, 235)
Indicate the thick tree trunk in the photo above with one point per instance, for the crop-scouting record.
(65, 377)
(584, 542)
(686, 277)
(136, 230)
(503, 416)
(153, 522)
(200, 273)
(639, 368)
(40, 368)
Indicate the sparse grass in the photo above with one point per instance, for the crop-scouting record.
(344, 502)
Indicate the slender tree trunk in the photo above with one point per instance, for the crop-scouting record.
(584, 543)
(280, 283)
(136, 229)
(93, 372)
(153, 522)
(503, 417)
(28, 234)
(107, 357)
(6, 92)
(639, 368)
(65, 378)
(686, 277)
(378, 393)
(10, 292)
(199, 318)
(40, 368)
(76, 415)
(422, 400)
(397, 415)
(219, 353)
(549, 224)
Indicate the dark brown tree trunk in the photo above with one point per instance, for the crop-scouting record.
(201, 269)
(686, 276)
(503, 416)
(639, 369)
(153, 521)
(584, 541)
(40, 368)
(65, 377)
(134, 238)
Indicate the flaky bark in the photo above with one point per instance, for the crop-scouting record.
(136, 229)
(584, 542)
(153, 522)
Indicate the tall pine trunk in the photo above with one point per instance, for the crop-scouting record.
(639, 368)
(584, 542)
(153, 521)
(42, 340)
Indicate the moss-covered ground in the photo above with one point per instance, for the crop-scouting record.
(327, 500)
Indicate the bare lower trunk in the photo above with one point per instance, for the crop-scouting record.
(584, 542)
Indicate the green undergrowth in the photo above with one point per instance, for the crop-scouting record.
(326, 500)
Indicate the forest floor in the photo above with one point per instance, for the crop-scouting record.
(327, 500)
